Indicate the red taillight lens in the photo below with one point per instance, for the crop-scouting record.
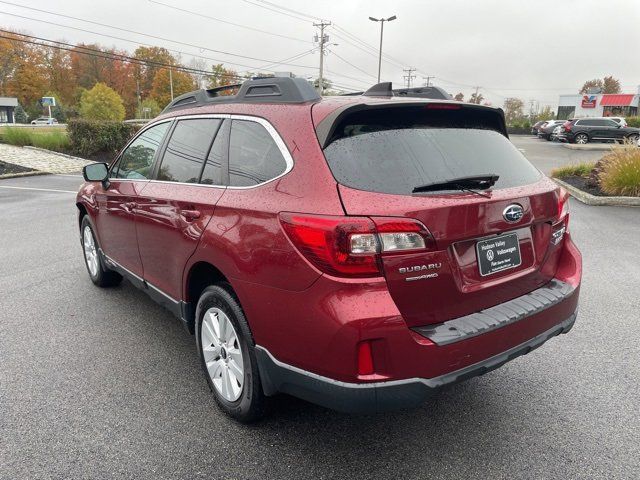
(352, 246)
(325, 241)
(365, 359)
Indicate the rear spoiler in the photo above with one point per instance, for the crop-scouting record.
(325, 130)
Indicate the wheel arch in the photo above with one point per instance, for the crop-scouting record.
(199, 276)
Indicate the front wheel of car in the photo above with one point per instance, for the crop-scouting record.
(582, 138)
(99, 274)
(227, 354)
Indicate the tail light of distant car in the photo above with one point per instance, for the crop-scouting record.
(567, 126)
(353, 246)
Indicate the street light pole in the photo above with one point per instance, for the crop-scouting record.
(381, 20)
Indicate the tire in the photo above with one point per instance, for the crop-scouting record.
(222, 350)
(633, 138)
(581, 138)
(98, 272)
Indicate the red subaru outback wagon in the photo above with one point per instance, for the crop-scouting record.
(359, 252)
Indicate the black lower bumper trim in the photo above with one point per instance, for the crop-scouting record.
(382, 396)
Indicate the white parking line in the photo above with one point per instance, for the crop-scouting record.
(38, 189)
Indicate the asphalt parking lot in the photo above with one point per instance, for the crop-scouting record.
(106, 384)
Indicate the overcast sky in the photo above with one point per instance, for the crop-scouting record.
(534, 50)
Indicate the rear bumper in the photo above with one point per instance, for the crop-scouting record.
(381, 396)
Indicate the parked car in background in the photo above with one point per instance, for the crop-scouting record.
(619, 120)
(536, 126)
(546, 130)
(44, 121)
(555, 133)
(312, 253)
(585, 130)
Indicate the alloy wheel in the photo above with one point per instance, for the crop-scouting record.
(90, 252)
(582, 139)
(222, 354)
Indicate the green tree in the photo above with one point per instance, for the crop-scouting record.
(20, 115)
(101, 103)
(161, 90)
(513, 110)
(545, 114)
(151, 105)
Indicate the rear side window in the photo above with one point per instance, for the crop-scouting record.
(396, 155)
(254, 156)
(187, 148)
(136, 161)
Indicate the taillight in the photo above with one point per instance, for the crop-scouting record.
(353, 246)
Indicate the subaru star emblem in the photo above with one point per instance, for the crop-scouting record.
(513, 213)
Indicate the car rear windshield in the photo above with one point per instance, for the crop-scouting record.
(396, 153)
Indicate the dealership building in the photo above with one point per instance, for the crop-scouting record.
(598, 105)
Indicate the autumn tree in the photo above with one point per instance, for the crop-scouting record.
(607, 85)
(513, 109)
(459, 97)
(161, 88)
(146, 72)
(102, 103)
(60, 75)
(476, 98)
(222, 76)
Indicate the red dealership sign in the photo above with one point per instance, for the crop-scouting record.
(589, 101)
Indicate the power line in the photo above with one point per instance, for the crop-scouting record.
(201, 15)
(409, 75)
(150, 36)
(354, 66)
(276, 11)
(83, 50)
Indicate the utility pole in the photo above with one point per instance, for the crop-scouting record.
(171, 82)
(476, 96)
(427, 80)
(409, 75)
(321, 39)
(381, 20)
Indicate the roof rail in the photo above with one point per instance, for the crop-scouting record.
(258, 90)
(384, 90)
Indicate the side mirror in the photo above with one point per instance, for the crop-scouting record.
(97, 172)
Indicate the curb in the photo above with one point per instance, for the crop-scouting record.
(589, 199)
(23, 174)
(605, 147)
(44, 150)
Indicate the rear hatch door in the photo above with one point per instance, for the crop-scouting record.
(485, 253)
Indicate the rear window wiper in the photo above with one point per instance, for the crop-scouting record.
(480, 182)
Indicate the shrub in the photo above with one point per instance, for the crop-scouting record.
(16, 136)
(633, 122)
(89, 137)
(57, 141)
(20, 115)
(101, 103)
(577, 170)
(621, 171)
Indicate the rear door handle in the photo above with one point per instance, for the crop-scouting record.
(190, 215)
